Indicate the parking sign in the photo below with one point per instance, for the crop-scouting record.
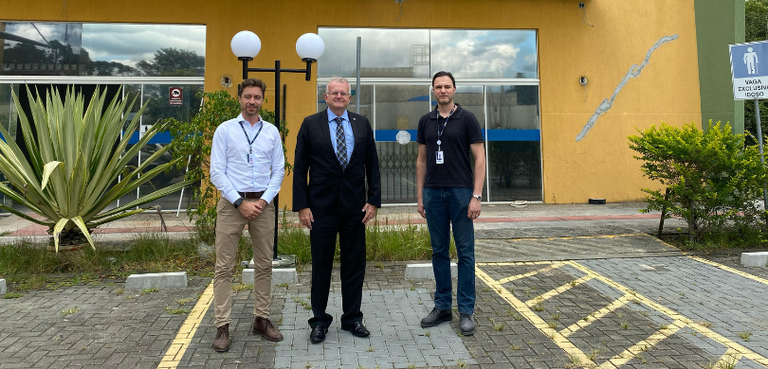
(749, 70)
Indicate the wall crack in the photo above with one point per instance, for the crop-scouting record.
(634, 71)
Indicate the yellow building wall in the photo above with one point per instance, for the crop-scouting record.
(600, 165)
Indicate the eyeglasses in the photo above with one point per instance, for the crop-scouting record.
(338, 93)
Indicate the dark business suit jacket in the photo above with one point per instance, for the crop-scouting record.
(331, 191)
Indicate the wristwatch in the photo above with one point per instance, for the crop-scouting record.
(237, 202)
(478, 197)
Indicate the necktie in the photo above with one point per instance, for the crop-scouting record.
(341, 144)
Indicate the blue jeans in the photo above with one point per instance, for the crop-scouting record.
(446, 206)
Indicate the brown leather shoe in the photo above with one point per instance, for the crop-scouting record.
(265, 328)
(221, 343)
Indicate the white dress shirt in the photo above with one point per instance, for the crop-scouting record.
(237, 166)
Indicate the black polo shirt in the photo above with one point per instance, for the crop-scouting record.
(460, 132)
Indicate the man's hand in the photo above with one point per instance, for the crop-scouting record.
(474, 209)
(420, 208)
(251, 209)
(370, 212)
(305, 218)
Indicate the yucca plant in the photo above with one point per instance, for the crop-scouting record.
(76, 156)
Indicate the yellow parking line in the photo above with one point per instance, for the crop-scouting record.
(735, 271)
(728, 360)
(573, 328)
(552, 293)
(537, 321)
(676, 316)
(187, 331)
(644, 345)
(515, 263)
(553, 265)
(577, 237)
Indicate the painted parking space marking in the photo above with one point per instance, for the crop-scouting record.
(530, 274)
(552, 293)
(187, 331)
(734, 353)
(620, 302)
(728, 269)
(532, 317)
(642, 346)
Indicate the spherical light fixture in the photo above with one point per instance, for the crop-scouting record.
(245, 44)
(310, 47)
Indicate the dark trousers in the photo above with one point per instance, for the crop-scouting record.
(322, 238)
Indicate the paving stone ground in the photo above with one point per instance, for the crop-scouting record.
(555, 300)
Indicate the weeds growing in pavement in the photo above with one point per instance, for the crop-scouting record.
(745, 335)
(237, 287)
(177, 311)
(71, 310)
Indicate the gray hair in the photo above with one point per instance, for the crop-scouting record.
(338, 79)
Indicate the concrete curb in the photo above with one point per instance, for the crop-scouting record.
(754, 259)
(279, 276)
(3, 287)
(156, 280)
(424, 271)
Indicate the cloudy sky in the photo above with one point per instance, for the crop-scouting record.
(465, 53)
(124, 43)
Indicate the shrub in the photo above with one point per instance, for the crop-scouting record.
(77, 163)
(711, 178)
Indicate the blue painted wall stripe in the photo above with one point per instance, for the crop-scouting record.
(385, 135)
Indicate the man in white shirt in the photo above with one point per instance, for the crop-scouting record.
(247, 167)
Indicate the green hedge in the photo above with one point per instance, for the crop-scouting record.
(712, 178)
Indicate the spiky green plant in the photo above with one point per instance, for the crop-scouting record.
(76, 155)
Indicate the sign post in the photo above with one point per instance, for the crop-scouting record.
(750, 82)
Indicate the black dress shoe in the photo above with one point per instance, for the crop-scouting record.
(318, 334)
(357, 329)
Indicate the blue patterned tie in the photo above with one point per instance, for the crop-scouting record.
(341, 143)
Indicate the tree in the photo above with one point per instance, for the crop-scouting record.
(173, 62)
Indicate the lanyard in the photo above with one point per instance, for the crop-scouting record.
(250, 142)
(445, 124)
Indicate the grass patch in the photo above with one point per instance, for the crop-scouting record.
(745, 336)
(177, 311)
(12, 295)
(729, 238)
(238, 287)
(32, 267)
(71, 310)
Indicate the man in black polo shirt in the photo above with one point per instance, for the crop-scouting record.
(448, 193)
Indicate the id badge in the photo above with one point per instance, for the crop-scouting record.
(249, 158)
(439, 159)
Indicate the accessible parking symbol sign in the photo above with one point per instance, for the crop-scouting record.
(749, 68)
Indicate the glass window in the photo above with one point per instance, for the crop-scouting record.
(399, 53)
(159, 106)
(514, 149)
(485, 53)
(404, 58)
(366, 96)
(470, 97)
(102, 49)
(399, 107)
(397, 168)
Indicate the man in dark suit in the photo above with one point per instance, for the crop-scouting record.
(337, 148)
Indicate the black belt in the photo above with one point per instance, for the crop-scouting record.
(251, 195)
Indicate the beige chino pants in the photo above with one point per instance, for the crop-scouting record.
(229, 228)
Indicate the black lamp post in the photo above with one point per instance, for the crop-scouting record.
(246, 45)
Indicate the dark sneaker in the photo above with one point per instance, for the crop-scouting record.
(466, 325)
(435, 317)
